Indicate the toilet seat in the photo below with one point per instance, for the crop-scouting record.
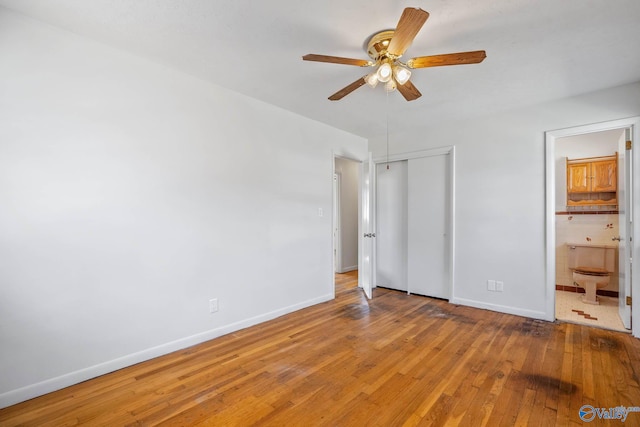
(590, 271)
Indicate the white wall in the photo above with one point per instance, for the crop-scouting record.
(131, 194)
(350, 186)
(500, 192)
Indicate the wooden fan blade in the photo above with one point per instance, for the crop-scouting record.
(447, 59)
(348, 89)
(337, 60)
(410, 22)
(409, 91)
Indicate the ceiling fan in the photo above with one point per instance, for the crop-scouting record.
(385, 49)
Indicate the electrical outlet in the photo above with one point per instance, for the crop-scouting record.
(491, 285)
(213, 305)
(499, 286)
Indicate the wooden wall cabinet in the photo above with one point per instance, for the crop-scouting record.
(592, 182)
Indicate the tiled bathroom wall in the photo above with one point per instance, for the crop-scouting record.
(597, 229)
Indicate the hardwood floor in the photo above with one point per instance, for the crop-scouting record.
(394, 360)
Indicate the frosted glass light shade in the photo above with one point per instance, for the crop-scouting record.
(384, 72)
(372, 79)
(401, 74)
(390, 86)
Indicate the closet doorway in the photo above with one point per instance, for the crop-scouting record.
(413, 223)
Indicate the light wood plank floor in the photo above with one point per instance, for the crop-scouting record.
(395, 360)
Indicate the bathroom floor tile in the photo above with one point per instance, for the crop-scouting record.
(570, 308)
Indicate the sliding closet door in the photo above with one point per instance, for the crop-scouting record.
(391, 225)
(427, 224)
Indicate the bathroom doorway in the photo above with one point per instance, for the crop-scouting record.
(591, 216)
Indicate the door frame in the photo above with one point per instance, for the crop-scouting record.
(439, 151)
(337, 219)
(632, 123)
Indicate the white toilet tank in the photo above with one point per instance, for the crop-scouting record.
(592, 257)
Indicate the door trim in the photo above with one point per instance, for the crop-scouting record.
(337, 220)
(550, 273)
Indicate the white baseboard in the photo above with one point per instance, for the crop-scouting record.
(38, 389)
(348, 269)
(541, 315)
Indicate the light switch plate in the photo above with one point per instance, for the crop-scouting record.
(213, 305)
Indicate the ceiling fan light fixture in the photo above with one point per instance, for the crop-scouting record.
(386, 47)
(372, 79)
(390, 86)
(401, 74)
(384, 72)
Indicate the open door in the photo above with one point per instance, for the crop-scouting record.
(366, 239)
(337, 238)
(625, 207)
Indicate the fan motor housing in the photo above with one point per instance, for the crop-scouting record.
(378, 44)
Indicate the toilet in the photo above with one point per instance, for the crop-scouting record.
(592, 266)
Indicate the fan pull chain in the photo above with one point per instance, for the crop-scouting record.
(387, 111)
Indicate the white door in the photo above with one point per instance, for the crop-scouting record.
(428, 202)
(412, 217)
(365, 275)
(625, 224)
(337, 238)
(391, 221)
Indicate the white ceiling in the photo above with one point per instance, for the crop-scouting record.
(537, 50)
